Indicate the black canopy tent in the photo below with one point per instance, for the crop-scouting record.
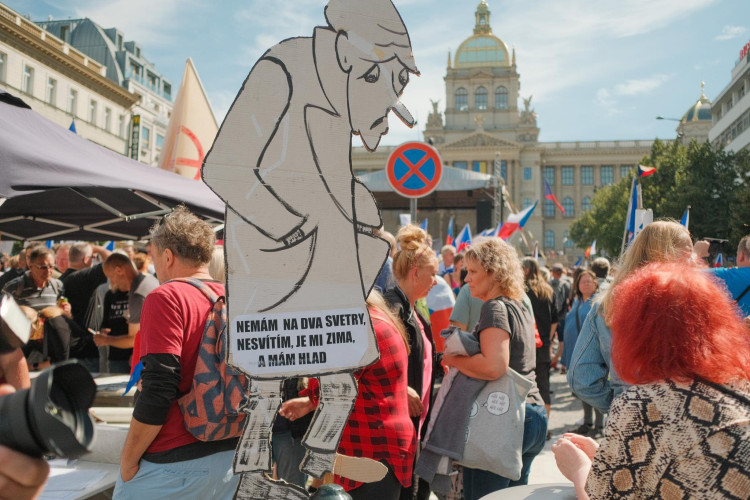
(56, 185)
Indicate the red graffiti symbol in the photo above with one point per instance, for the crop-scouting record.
(188, 162)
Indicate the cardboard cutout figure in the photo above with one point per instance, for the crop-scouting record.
(301, 253)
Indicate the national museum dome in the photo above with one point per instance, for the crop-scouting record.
(699, 111)
(482, 48)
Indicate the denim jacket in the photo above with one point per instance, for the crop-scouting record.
(590, 374)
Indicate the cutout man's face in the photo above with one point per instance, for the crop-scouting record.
(373, 90)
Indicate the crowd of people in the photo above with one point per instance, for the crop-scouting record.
(656, 345)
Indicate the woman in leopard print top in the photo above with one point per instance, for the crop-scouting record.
(683, 429)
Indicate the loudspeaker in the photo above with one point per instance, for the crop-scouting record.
(484, 215)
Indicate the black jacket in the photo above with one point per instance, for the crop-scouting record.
(398, 301)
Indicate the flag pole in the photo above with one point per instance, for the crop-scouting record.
(627, 216)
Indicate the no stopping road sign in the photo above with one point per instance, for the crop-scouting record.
(414, 169)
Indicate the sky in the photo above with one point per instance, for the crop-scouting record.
(597, 69)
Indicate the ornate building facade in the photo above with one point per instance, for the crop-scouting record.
(482, 128)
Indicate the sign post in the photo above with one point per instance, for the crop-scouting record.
(414, 170)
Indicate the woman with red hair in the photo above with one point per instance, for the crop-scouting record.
(683, 429)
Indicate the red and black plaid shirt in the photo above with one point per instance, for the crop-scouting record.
(379, 426)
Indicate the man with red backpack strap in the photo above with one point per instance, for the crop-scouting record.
(161, 457)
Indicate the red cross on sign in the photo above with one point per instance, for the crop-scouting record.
(414, 169)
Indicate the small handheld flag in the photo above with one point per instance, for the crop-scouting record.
(591, 250)
(644, 171)
(549, 195)
(449, 236)
(423, 225)
(719, 262)
(578, 262)
(72, 127)
(463, 240)
(685, 221)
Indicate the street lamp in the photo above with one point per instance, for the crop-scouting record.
(671, 119)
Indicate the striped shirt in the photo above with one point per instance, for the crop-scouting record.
(26, 292)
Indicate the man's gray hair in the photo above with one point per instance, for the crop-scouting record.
(186, 235)
(79, 251)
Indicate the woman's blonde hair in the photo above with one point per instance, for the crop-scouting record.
(413, 251)
(376, 301)
(663, 240)
(500, 260)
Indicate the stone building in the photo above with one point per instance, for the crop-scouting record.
(731, 109)
(483, 129)
(127, 66)
(62, 83)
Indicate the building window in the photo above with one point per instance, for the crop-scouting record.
(52, 91)
(462, 99)
(28, 80)
(587, 175)
(119, 42)
(3, 59)
(135, 71)
(480, 98)
(501, 98)
(107, 119)
(625, 170)
(145, 138)
(567, 176)
(567, 242)
(64, 33)
(549, 239)
(92, 112)
(608, 175)
(586, 204)
(479, 166)
(73, 102)
(569, 207)
(159, 142)
(527, 203)
(121, 126)
(549, 175)
(167, 90)
(527, 173)
(549, 208)
(151, 81)
(460, 164)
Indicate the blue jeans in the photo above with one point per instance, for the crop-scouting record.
(208, 477)
(478, 483)
(288, 453)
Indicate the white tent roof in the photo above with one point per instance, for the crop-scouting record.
(454, 179)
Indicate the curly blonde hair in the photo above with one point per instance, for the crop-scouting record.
(413, 251)
(500, 260)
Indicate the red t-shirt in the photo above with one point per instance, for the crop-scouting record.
(172, 322)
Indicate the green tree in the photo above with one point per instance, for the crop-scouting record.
(714, 183)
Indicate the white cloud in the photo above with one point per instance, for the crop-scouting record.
(729, 32)
(604, 99)
(642, 86)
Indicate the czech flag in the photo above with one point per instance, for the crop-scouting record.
(423, 225)
(632, 206)
(591, 250)
(463, 240)
(449, 236)
(644, 171)
(719, 262)
(548, 194)
(685, 221)
(488, 232)
(578, 262)
(515, 221)
(72, 127)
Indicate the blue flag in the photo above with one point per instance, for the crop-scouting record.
(72, 127)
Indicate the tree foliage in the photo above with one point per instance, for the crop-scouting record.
(714, 183)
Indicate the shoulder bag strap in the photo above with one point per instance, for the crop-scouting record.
(739, 297)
